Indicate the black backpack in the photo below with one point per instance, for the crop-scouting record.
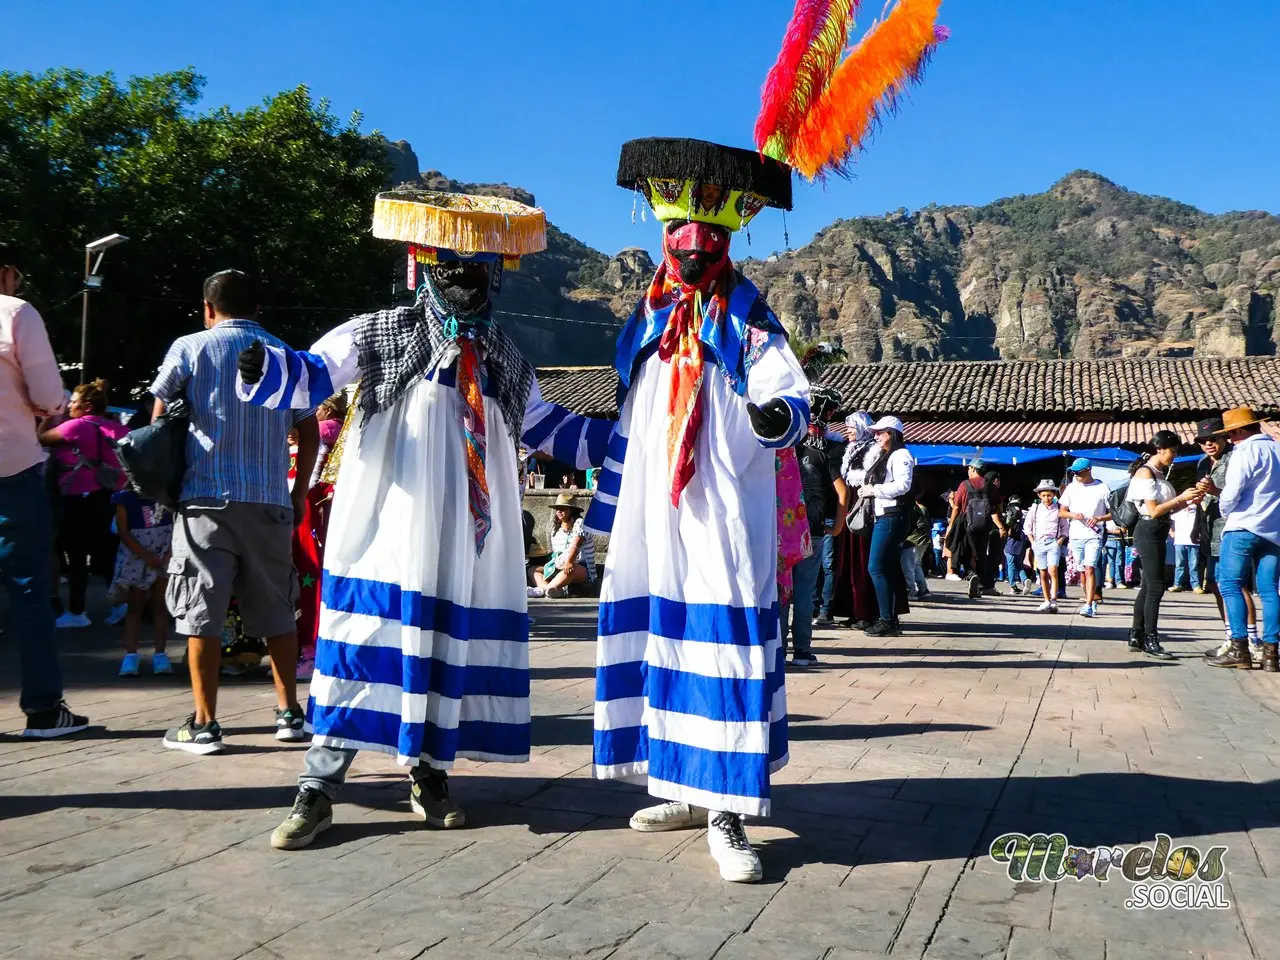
(977, 508)
(1124, 512)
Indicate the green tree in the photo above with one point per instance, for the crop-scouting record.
(283, 190)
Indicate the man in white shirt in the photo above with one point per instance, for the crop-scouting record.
(1085, 503)
(30, 388)
(1250, 502)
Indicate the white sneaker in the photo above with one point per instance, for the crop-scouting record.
(731, 850)
(1045, 607)
(1053, 607)
(116, 615)
(668, 816)
(955, 577)
(129, 665)
(72, 621)
(536, 593)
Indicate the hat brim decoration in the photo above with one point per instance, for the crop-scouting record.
(460, 226)
(686, 179)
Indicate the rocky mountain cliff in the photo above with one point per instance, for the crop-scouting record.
(1087, 269)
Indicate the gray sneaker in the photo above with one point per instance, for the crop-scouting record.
(430, 800)
(312, 814)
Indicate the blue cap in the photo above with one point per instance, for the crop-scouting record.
(1081, 463)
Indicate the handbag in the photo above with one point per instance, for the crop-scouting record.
(155, 456)
(862, 516)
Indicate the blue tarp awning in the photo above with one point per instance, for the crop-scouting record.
(959, 455)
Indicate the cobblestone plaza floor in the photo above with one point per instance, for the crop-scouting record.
(908, 756)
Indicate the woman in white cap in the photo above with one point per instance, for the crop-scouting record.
(888, 481)
(1047, 531)
(855, 594)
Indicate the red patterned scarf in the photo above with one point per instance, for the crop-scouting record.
(681, 347)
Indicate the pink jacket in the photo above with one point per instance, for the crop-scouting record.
(30, 384)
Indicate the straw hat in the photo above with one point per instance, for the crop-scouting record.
(564, 501)
(1237, 419)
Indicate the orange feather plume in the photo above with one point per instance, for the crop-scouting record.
(869, 81)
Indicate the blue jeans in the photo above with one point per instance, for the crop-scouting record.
(26, 536)
(805, 577)
(1186, 557)
(1014, 572)
(1114, 563)
(912, 572)
(885, 564)
(828, 560)
(1239, 549)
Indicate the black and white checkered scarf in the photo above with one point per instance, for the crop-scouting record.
(399, 346)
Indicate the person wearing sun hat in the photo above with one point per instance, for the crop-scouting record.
(423, 565)
(1250, 503)
(1046, 530)
(573, 553)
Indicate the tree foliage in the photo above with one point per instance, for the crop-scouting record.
(283, 190)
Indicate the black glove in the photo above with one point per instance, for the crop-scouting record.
(252, 360)
(771, 421)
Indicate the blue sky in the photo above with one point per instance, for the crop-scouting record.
(1176, 98)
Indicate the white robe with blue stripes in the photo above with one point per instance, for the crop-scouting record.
(423, 647)
(690, 697)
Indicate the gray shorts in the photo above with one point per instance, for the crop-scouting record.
(221, 549)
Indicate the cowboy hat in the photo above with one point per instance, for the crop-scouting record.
(1237, 419)
(564, 502)
(1046, 485)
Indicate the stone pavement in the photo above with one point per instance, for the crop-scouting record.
(908, 756)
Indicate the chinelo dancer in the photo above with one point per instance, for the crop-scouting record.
(423, 641)
(689, 682)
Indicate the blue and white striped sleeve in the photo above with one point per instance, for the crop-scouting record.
(570, 438)
(776, 375)
(303, 379)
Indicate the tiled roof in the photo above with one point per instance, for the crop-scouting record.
(590, 391)
(1124, 388)
(1069, 435)
(988, 395)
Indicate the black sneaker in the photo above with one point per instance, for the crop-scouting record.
(975, 587)
(289, 724)
(312, 814)
(56, 722)
(805, 659)
(430, 799)
(823, 620)
(195, 738)
(881, 628)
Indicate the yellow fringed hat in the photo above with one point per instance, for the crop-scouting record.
(460, 225)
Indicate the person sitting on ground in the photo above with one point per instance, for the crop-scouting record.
(1086, 503)
(1046, 529)
(573, 554)
(145, 529)
(88, 472)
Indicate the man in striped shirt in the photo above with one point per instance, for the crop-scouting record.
(236, 515)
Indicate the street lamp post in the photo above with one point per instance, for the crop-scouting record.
(92, 281)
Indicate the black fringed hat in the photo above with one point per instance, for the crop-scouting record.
(696, 180)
